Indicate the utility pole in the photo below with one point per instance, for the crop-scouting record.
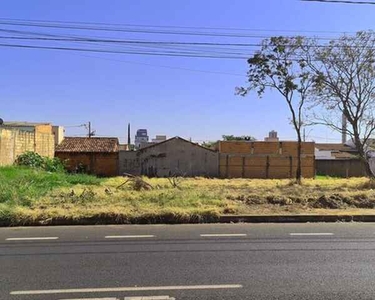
(304, 135)
(89, 129)
(128, 135)
(91, 132)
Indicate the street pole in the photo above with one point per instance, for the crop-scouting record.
(128, 135)
(89, 129)
(304, 135)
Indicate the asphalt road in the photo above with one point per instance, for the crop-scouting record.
(239, 261)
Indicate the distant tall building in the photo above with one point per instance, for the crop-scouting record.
(140, 137)
(272, 136)
(156, 140)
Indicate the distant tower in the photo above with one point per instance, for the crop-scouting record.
(343, 131)
(129, 134)
(272, 136)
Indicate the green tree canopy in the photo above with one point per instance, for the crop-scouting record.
(281, 65)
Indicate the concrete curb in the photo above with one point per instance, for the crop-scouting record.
(171, 219)
(112, 220)
(295, 218)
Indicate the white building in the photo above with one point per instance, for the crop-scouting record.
(159, 138)
(140, 138)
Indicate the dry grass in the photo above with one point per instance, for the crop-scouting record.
(194, 199)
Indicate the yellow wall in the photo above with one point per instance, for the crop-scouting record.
(14, 142)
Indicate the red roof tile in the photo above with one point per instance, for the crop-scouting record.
(85, 144)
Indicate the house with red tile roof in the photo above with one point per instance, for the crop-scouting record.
(92, 155)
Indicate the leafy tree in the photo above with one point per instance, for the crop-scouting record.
(345, 86)
(209, 144)
(238, 138)
(281, 65)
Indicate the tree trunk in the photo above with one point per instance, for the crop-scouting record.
(368, 169)
(299, 163)
(362, 154)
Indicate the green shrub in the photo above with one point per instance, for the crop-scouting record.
(34, 160)
(30, 159)
(53, 165)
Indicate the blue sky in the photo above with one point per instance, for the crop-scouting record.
(69, 88)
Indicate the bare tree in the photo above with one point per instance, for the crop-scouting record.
(345, 86)
(281, 65)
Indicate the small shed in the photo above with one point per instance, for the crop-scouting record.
(338, 160)
(94, 155)
(175, 156)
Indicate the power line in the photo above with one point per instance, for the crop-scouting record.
(341, 1)
(53, 22)
(74, 126)
(176, 54)
(167, 67)
(236, 56)
(131, 41)
(173, 26)
(326, 138)
(137, 52)
(153, 44)
(74, 26)
(191, 49)
(158, 43)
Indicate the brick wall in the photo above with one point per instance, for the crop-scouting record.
(14, 142)
(100, 164)
(264, 159)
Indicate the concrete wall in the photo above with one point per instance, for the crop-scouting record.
(174, 156)
(340, 168)
(58, 132)
(44, 128)
(129, 162)
(100, 164)
(14, 142)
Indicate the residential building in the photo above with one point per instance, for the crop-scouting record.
(338, 160)
(19, 137)
(231, 159)
(140, 137)
(159, 138)
(95, 155)
(125, 147)
(324, 151)
(59, 133)
(175, 156)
